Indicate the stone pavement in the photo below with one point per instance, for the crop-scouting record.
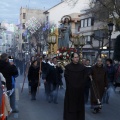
(42, 110)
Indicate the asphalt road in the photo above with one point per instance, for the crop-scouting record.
(42, 110)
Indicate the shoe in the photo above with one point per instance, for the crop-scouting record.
(15, 111)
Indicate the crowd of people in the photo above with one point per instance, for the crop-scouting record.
(79, 78)
(51, 73)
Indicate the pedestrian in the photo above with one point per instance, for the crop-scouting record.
(88, 81)
(47, 78)
(57, 77)
(33, 78)
(117, 74)
(44, 65)
(74, 108)
(99, 77)
(52, 80)
(110, 77)
(28, 64)
(83, 61)
(8, 69)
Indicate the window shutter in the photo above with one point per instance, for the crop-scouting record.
(92, 21)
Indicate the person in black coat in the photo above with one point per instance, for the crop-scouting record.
(74, 108)
(33, 78)
(53, 80)
(9, 70)
(110, 71)
(44, 65)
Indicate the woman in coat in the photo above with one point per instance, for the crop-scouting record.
(33, 78)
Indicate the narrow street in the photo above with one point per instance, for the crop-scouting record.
(41, 109)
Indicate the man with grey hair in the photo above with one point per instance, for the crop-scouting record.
(98, 75)
(9, 70)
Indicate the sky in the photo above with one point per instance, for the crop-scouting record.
(10, 9)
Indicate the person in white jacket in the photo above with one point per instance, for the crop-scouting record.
(7, 108)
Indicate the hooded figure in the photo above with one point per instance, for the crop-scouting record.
(99, 77)
(74, 95)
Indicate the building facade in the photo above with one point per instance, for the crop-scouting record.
(28, 17)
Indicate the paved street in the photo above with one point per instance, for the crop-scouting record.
(42, 110)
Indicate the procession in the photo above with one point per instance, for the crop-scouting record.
(59, 63)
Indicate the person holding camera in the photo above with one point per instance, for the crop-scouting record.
(9, 70)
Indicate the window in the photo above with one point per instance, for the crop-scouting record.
(77, 27)
(82, 23)
(24, 15)
(23, 26)
(6, 37)
(47, 18)
(86, 23)
(88, 40)
(89, 21)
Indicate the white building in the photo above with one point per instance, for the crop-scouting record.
(89, 27)
(8, 39)
(54, 14)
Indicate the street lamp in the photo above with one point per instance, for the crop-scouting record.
(52, 39)
(79, 41)
(110, 29)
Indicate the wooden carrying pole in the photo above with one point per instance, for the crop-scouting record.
(39, 74)
(23, 83)
(25, 75)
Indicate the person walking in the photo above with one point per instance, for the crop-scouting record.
(74, 108)
(28, 63)
(88, 81)
(52, 79)
(57, 77)
(33, 78)
(110, 77)
(117, 74)
(99, 77)
(44, 66)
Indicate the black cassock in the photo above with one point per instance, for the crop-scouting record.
(74, 108)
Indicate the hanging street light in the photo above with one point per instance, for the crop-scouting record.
(79, 41)
(110, 29)
(52, 39)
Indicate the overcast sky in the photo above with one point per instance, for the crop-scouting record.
(10, 9)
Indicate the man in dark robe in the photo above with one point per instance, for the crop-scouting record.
(74, 96)
(99, 78)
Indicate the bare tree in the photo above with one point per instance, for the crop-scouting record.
(72, 2)
(106, 10)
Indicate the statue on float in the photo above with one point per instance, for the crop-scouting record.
(64, 32)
